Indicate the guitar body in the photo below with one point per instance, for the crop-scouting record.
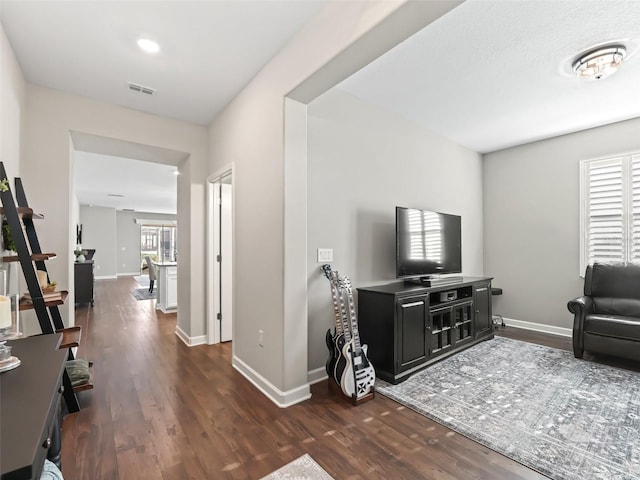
(364, 374)
(335, 362)
(347, 379)
(330, 366)
(341, 360)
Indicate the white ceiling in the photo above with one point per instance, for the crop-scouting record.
(488, 75)
(493, 74)
(210, 49)
(138, 185)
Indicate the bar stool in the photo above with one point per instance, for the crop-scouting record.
(498, 321)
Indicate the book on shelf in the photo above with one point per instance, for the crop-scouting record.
(48, 297)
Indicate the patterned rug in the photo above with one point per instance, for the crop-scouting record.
(568, 419)
(143, 294)
(303, 468)
(142, 280)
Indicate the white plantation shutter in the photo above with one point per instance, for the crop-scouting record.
(605, 238)
(610, 220)
(635, 210)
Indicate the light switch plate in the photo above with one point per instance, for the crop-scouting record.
(325, 255)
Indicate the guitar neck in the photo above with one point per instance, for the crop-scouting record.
(344, 320)
(353, 321)
(336, 309)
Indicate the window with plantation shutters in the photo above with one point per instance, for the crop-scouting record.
(635, 210)
(610, 201)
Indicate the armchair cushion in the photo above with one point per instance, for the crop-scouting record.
(613, 326)
(617, 280)
(627, 307)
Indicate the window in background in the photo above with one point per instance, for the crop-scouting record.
(610, 210)
(159, 243)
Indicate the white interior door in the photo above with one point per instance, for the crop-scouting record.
(226, 265)
(220, 257)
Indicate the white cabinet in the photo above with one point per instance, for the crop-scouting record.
(167, 287)
(172, 287)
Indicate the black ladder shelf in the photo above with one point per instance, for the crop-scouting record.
(31, 259)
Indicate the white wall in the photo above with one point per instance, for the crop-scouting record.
(128, 261)
(362, 163)
(531, 213)
(47, 170)
(12, 98)
(99, 231)
(251, 134)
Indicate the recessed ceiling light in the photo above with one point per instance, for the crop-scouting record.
(148, 45)
(176, 172)
(599, 63)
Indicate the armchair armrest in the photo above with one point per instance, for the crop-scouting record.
(580, 307)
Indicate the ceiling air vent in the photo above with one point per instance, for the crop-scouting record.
(141, 88)
(115, 195)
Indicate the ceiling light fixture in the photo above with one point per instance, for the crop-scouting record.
(599, 63)
(148, 45)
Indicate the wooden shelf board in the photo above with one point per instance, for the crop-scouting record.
(25, 212)
(440, 330)
(34, 257)
(27, 305)
(83, 386)
(465, 322)
(70, 336)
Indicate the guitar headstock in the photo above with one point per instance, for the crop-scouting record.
(346, 283)
(326, 268)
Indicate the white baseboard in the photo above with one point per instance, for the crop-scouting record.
(190, 341)
(167, 310)
(132, 274)
(538, 327)
(106, 277)
(277, 396)
(317, 375)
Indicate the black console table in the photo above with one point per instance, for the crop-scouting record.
(29, 406)
(83, 281)
(408, 326)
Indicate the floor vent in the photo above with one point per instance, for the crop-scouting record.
(141, 88)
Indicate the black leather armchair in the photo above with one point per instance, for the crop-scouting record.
(607, 316)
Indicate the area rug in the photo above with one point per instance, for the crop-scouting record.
(142, 280)
(568, 419)
(302, 468)
(143, 294)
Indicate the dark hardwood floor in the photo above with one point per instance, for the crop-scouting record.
(161, 410)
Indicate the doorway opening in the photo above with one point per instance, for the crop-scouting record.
(220, 257)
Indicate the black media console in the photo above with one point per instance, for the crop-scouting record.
(408, 327)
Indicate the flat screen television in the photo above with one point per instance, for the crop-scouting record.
(427, 243)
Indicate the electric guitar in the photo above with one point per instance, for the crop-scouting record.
(364, 374)
(347, 364)
(335, 341)
(344, 366)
